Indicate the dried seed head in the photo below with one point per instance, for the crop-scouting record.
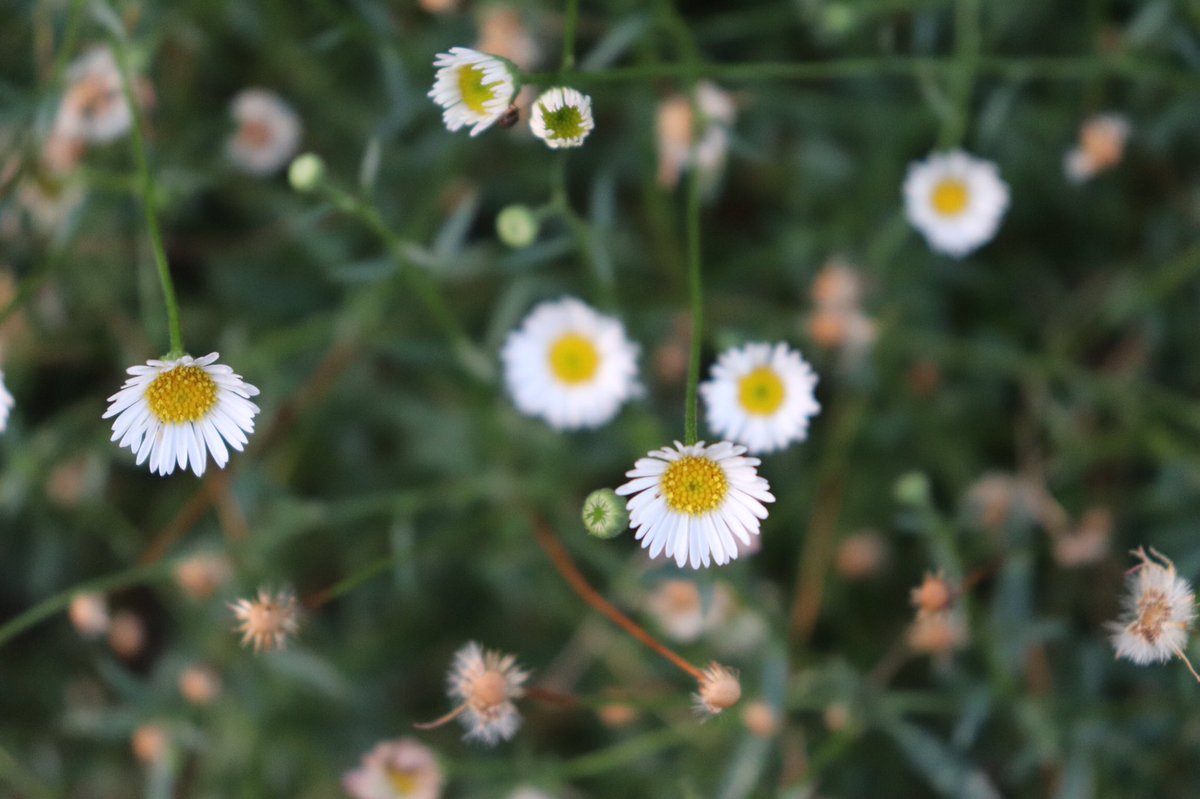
(933, 595)
(127, 634)
(861, 555)
(937, 633)
(720, 690)
(202, 574)
(267, 621)
(149, 743)
(760, 719)
(1159, 611)
(89, 613)
(199, 685)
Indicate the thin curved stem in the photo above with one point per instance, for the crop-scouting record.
(149, 195)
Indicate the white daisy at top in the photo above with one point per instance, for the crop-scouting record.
(1159, 611)
(761, 395)
(562, 117)
(474, 88)
(955, 200)
(569, 365)
(268, 132)
(400, 769)
(176, 412)
(690, 501)
(6, 404)
(94, 107)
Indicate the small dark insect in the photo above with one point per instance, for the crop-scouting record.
(509, 117)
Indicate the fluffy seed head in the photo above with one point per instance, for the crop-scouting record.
(268, 621)
(720, 690)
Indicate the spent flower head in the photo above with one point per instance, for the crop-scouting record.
(719, 689)
(268, 621)
(177, 411)
(1158, 612)
(691, 501)
(484, 683)
(267, 134)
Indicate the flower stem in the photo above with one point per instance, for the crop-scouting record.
(696, 296)
(566, 567)
(570, 23)
(149, 196)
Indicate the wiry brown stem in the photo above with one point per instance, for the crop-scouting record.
(1188, 663)
(446, 719)
(566, 567)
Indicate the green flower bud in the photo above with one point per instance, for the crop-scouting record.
(604, 514)
(912, 488)
(517, 226)
(306, 172)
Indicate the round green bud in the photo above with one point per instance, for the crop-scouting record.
(517, 226)
(604, 514)
(306, 172)
(912, 488)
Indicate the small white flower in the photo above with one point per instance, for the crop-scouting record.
(689, 502)
(562, 117)
(94, 107)
(486, 682)
(569, 365)
(761, 395)
(955, 200)
(400, 769)
(267, 622)
(6, 403)
(176, 412)
(474, 88)
(267, 135)
(1159, 610)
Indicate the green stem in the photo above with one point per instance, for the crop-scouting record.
(149, 198)
(48, 607)
(570, 23)
(21, 779)
(560, 204)
(967, 45)
(67, 46)
(696, 296)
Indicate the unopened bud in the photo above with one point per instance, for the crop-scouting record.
(306, 172)
(517, 226)
(604, 514)
(912, 488)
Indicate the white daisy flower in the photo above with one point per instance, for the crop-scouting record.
(267, 135)
(569, 365)
(176, 412)
(562, 117)
(400, 769)
(474, 88)
(484, 683)
(955, 200)
(761, 395)
(690, 501)
(6, 403)
(1159, 611)
(94, 107)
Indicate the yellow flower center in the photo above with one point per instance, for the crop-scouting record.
(574, 359)
(474, 93)
(401, 781)
(183, 394)
(950, 197)
(565, 123)
(694, 485)
(761, 392)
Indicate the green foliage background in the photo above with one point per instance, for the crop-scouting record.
(1065, 346)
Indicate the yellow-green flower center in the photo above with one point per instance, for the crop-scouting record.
(761, 392)
(563, 123)
(401, 781)
(574, 359)
(183, 394)
(950, 197)
(474, 93)
(694, 485)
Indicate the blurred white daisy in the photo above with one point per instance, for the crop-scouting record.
(1101, 147)
(761, 395)
(176, 412)
(562, 117)
(1159, 610)
(6, 403)
(681, 610)
(267, 135)
(569, 365)
(267, 622)
(690, 501)
(400, 769)
(94, 106)
(955, 200)
(485, 683)
(474, 88)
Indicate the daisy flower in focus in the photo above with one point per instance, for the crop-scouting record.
(484, 683)
(6, 404)
(1159, 610)
(562, 117)
(175, 412)
(400, 769)
(761, 395)
(473, 88)
(268, 621)
(569, 365)
(1101, 147)
(689, 501)
(267, 135)
(955, 200)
